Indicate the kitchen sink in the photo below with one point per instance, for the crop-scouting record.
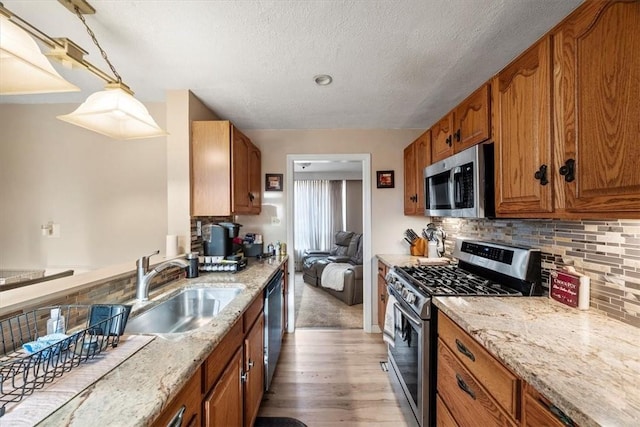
(185, 311)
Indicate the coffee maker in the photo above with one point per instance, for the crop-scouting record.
(218, 238)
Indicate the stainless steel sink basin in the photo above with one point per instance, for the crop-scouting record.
(185, 311)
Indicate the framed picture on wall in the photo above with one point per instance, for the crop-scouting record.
(273, 182)
(385, 179)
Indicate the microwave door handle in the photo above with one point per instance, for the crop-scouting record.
(456, 174)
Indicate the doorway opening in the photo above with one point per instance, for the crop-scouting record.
(335, 161)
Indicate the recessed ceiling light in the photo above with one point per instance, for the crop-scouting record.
(323, 79)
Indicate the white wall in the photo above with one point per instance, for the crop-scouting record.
(108, 196)
(386, 148)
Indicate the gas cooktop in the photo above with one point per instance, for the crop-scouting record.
(452, 280)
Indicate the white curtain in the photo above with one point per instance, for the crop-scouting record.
(318, 215)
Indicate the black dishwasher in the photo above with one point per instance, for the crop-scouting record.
(273, 303)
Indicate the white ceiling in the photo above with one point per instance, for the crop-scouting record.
(395, 64)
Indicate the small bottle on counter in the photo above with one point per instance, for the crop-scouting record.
(192, 270)
(277, 248)
(270, 249)
(55, 324)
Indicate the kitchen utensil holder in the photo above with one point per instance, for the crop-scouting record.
(21, 372)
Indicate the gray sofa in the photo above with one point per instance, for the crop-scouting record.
(347, 248)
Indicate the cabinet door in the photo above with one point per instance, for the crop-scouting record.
(597, 106)
(472, 120)
(522, 111)
(410, 191)
(223, 405)
(442, 138)
(210, 168)
(255, 179)
(382, 294)
(423, 159)
(254, 368)
(240, 169)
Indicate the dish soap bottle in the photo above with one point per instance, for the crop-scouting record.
(55, 325)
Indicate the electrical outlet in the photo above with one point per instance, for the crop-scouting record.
(275, 220)
(198, 228)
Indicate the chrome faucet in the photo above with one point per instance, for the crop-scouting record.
(145, 275)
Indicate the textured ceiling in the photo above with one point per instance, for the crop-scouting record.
(395, 64)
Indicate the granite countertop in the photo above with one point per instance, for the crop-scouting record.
(391, 260)
(136, 391)
(585, 363)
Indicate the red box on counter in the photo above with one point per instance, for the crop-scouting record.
(569, 288)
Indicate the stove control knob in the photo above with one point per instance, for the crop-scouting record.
(411, 298)
(406, 293)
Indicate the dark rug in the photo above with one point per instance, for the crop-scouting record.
(278, 422)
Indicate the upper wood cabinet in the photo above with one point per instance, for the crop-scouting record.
(416, 158)
(522, 117)
(472, 120)
(442, 138)
(597, 108)
(467, 125)
(225, 170)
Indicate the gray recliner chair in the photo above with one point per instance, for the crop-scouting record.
(347, 249)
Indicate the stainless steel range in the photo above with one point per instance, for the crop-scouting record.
(483, 269)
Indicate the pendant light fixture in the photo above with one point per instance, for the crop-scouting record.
(113, 112)
(23, 68)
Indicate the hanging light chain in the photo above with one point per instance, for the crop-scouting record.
(95, 41)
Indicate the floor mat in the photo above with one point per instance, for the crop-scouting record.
(278, 422)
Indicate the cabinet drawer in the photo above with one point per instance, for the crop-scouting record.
(538, 411)
(251, 314)
(218, 360)
(188, 398)
(469, 403)
(443, 416)
(498, 380)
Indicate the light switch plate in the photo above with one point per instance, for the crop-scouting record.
(275, 220)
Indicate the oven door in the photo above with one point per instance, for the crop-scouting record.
(409, 360)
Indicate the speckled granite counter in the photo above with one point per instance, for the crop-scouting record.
(583, 362)
(135, 393)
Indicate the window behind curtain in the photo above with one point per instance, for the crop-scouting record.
(318, 214)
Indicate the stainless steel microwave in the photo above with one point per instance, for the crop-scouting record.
(462, 185)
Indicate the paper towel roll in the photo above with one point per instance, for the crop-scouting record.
(172, 245)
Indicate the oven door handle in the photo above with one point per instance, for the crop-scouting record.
(415, 320)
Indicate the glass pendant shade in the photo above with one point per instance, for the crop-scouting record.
(23, 68)
(115, 113)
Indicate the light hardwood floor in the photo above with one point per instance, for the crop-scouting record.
(332, 377)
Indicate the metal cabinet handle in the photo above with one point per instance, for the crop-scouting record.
(568, 170)
(449, 140)
(244, 377)
(176, 421)
(457, 135)
(250, 363)
(464, 350)
(541, 175)
(464, 387)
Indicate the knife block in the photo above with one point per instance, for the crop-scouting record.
(419, 247)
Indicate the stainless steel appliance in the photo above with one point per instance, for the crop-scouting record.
(483, 269)
(461, 185)
(273, 324)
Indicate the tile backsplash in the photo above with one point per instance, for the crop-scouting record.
(608, 251)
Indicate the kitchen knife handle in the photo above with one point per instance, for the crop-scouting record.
(464, 350)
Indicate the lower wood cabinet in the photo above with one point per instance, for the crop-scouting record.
(382, 293)
(223, 404)
(443, 416)
(184, 409)
(234, 372)
(474, 387)
(538, 411)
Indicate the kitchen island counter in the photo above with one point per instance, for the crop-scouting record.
(137, 391)
(585, 363)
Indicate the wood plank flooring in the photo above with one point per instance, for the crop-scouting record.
(332, 377)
